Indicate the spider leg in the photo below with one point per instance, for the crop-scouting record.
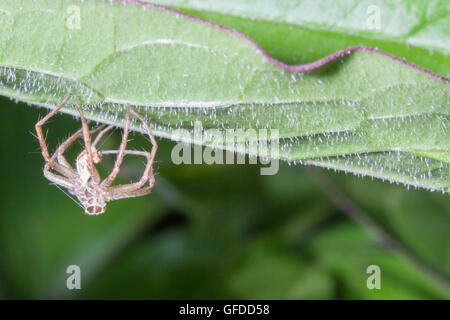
(148, 172)
(49, 161)
(100, 135)
(132, 152)
(133, 189)
(150, 135)
(131, 193)
(146, 176)
(115, 171)
(57, 179)
(88, 146)
(59, 153)
(86, 135)
(41, 122)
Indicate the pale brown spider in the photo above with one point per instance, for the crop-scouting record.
(85, 182)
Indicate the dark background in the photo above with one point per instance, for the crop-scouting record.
(210, 232)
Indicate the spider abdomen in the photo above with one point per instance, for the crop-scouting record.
(91, 197)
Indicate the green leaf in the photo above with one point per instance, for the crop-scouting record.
(364, 112)
(301, 31)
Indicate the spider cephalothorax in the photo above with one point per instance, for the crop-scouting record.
(84, 182)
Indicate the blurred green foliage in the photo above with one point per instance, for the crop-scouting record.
(219, 231)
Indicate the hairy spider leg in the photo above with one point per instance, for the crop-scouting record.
(153, 151)
(57, 179)
(40, 123)
(59, 153)
(100, 135)
(134, 189)
(44, 149)
(62, 181)
(115, 171)
(86, 159)
(86, 136)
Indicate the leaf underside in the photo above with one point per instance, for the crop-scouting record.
(362, 113)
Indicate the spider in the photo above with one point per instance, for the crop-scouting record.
(84, 182)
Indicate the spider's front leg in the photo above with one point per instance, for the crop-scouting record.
(57, 179)
(40, 123)
(59, 153)
(90, 155)
(50, 162)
